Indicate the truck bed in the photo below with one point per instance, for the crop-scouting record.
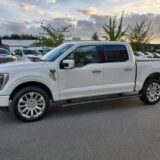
(147, 59)
(144, 68)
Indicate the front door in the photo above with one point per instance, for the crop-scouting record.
(86, 78)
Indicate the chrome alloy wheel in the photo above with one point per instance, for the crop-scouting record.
(153, 92)
(31, 105)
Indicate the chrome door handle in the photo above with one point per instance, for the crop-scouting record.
(128, 69)
(96, 71)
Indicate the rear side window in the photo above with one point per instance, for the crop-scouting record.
(116, 53)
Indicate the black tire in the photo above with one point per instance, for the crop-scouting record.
(27, 90)
(144, 98)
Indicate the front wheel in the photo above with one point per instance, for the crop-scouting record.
(30, 104)
(151, 92)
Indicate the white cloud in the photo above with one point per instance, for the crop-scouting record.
(88, 12)
(151, 5)
(26, 7)
(51, 1)
(32, 9)
(81, 28)
(27, 17)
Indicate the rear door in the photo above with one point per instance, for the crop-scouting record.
(119, 69)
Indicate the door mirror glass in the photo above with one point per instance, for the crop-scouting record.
(68, 64)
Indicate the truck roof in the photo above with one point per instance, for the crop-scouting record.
(97, 42)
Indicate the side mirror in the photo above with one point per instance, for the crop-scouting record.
(68, 64)
(16, 54)
(13, 53)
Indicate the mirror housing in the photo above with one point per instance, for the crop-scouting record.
(16, 54)
(68, 64)
(13, 54)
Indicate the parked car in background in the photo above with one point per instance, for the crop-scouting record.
(4, 46)
(42, 50)
(5, 56)
(26, 53)
(148, 55)
(47, 49)
(156, 55)
(139, 55)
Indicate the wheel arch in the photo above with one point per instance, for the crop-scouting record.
(32, 83)
(155, 75)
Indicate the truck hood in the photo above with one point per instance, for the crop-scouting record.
(5, 56)
(20, 65)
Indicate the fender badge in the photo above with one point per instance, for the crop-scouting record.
(52, 74)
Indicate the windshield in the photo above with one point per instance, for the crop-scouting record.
(55, 53)
(136, 54)
(146, 54)
(4, 52)
(32, 52)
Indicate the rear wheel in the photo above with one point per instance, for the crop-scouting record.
(151, 92)
(30, 104)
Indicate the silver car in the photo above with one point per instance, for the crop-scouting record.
(25, 54)
(5, 56)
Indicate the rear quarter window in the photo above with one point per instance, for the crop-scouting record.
(116, 53)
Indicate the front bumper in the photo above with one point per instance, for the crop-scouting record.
(4, 101)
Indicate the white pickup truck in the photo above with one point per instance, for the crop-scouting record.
(75, 71)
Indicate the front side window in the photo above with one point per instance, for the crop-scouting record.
(116, 53)
(84, 55)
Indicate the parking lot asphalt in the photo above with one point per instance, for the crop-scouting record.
(113, 130)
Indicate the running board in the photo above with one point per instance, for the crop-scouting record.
(99, 100)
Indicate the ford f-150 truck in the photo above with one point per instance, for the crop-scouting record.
(75, 71)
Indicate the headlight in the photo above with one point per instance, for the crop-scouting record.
(14, 58)
(3, 79)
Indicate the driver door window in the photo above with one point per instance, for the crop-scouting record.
(84, 55)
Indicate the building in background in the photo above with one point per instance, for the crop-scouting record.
(154, 47)
(14, 44)
(19, 44)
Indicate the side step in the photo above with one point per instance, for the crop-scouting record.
(95, 100)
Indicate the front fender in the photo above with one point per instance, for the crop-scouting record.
(48, 82)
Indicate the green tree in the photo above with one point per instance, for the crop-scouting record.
(51, 37)
(95, 37)
(114, 29)
(20, 36)
(140, 35)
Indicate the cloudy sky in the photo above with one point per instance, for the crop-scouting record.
(85, 16)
